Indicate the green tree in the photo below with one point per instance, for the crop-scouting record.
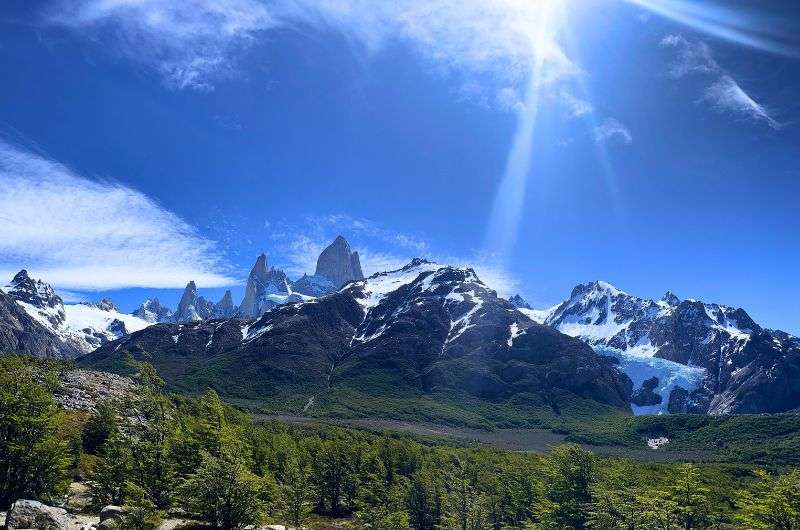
(296, 491)
(464, 502)
(690, 498)
(617, 502)
(150, 436)
(113, 471)
(99, 427)
(424, 500)
(772, 503)
(34, 459)
(570, 475)
(226, 494)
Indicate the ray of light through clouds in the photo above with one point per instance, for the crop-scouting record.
(510, 51)
(744, 27)
(83, 234)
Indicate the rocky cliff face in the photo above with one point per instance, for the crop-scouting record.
(339, 263)
(424, 328)
(715, 357)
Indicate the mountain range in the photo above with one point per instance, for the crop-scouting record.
(427, 330)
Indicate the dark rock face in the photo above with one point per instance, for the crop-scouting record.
(339, 263)
(748, 369)
(644, 395)
(519, 302)
(678, 401)
(20, 333)
(424, 328)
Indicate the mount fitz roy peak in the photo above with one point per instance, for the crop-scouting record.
(267, 287)
(706, 358)
(51, 328)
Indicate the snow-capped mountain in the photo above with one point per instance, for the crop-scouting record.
(424, 328)
(706, 357)
(79, 327)
(152, 311)
(337, 264)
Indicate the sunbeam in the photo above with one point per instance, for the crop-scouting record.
(734, 26)
(508, 203)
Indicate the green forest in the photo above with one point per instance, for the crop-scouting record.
(156, 452)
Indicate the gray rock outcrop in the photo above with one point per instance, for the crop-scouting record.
(34, 514)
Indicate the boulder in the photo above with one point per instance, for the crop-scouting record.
(34, 514)
(110, 514)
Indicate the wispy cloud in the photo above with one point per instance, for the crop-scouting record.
(727, 96)
(691, 57)
(576, 107)
(612, 130)
(83, 234)
(192, 43)
(724, 93)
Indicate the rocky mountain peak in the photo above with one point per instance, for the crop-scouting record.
(339, 263)
(254, 291)
(39, 294)
(670, 299)
(225, 308)
(152, 311)
(519, 302)
(106, 304)
(187, 307)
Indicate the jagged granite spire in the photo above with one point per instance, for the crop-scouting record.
(339, 263)
(187, 310)
(225, 308)
(255, 286)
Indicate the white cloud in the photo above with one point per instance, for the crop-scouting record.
(692, 57)
(189, 42)
(612, 130)
(576, 107)
(82, 234)
(724, 93)
(727, 96)
(192, 42)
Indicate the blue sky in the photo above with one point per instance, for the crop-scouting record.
(147, 143)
